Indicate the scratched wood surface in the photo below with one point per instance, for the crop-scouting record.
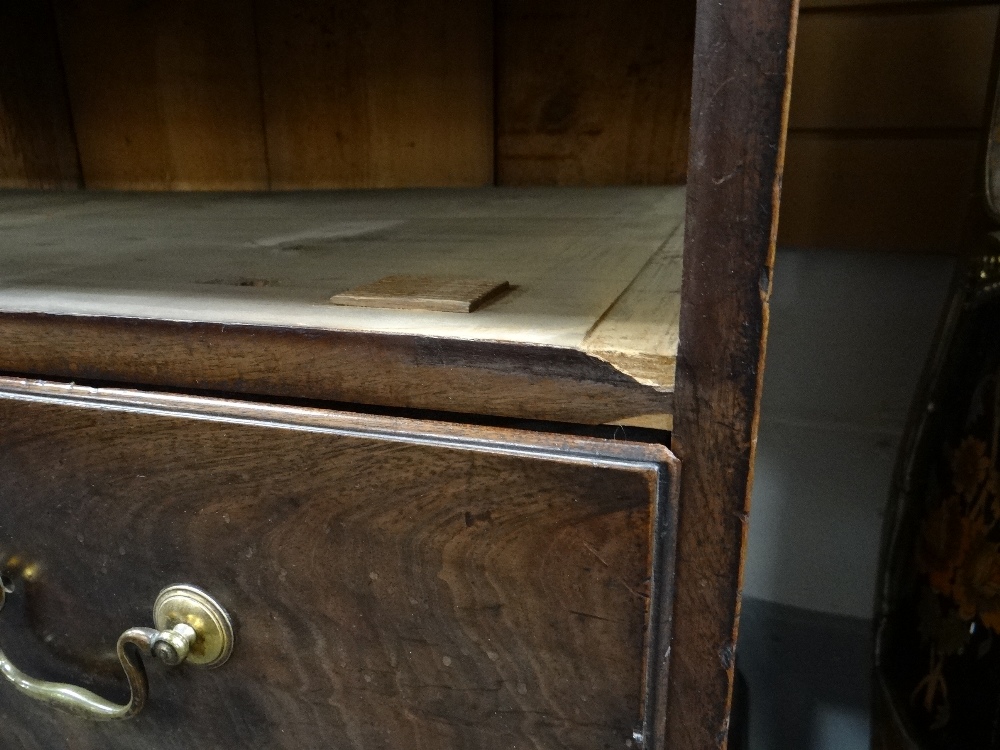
(739, 119)
(410, 372)
(393, 583)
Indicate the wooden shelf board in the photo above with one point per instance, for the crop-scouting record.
(592, 270)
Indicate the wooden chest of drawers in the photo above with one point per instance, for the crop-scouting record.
(381, 527)
(391, 581)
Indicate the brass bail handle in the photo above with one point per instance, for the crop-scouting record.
(191, 627)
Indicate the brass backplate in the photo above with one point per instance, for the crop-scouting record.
(214, 630)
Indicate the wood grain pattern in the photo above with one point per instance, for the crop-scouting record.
(593, 92)
(37, 143)
(259, 271)
(638, 333)
(377, 94)
(926, 68)
(411, 372)
(892, 193)
(275, 259)
(165, 96)
(742, 80)
(441, 293)
(394, 584)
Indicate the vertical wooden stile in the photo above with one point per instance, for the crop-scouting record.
(742, 81)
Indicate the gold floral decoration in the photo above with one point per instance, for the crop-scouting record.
(958, 553)
(940, 545)
(977, 577)
(969, 466)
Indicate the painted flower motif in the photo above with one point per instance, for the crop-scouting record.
(969, 465)
(977, 580)
(939, 549)
(958, 555)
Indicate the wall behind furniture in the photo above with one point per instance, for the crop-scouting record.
(849, 334)
(888, 108)
(888, 112)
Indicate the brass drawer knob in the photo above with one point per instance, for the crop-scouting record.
(191, 627)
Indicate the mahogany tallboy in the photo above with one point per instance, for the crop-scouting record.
(381, 374)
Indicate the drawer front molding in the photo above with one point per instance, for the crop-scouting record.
(392, 582)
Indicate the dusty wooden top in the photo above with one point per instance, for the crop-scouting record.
(596, 270)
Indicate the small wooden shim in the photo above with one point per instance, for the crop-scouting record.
(440, 293)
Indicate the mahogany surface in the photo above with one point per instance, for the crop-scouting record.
(394, 583)
(742, 80)
(414, 372)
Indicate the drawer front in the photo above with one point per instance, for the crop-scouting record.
(392, 583)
